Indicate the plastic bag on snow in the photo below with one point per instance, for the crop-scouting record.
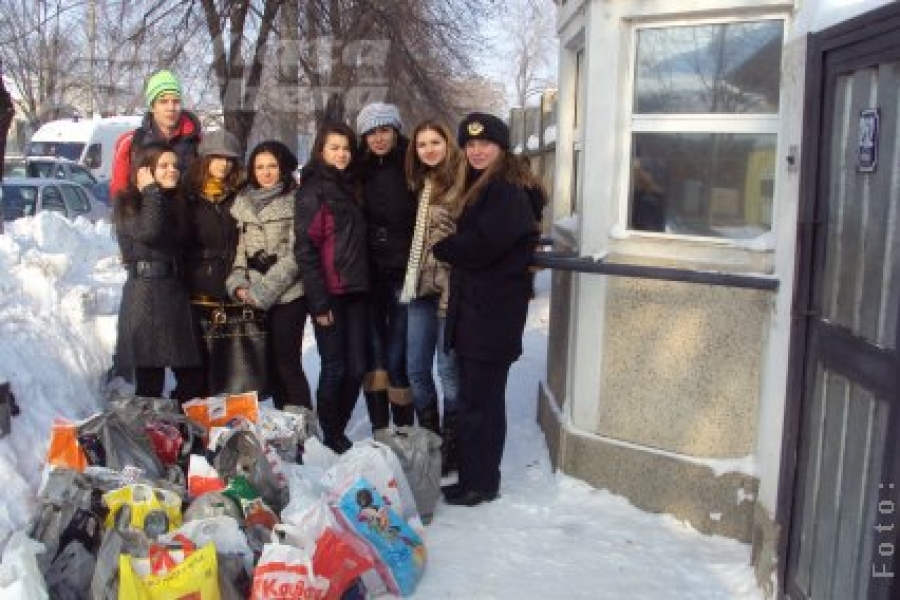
(286, 573)
(419, 452)
(20, 578)
(400, 551)
(381, 468)
(169, 573)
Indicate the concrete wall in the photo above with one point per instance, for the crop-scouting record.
(683, 366)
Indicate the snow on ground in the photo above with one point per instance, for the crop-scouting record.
(548, 536)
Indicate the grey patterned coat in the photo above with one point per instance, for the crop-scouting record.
(155, 327)
(270, 230)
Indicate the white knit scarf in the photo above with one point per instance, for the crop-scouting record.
(418, 245)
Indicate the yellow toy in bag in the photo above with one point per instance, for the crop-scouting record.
(153, 510)
(196, 577)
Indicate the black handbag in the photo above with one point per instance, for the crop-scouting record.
(236, 340)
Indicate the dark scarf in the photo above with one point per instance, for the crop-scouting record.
(261, 197)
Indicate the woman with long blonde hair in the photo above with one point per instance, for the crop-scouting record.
(436, 170)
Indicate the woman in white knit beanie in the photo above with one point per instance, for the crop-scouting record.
(390, 209)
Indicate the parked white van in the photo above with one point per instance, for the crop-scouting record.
(90, 142)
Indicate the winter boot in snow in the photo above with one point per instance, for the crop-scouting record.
(377, 406)
(328, 412)
(375, 390)
(403, 413)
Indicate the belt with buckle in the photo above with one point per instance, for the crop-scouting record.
(151, 269)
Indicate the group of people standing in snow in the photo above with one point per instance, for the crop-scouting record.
(400, 251)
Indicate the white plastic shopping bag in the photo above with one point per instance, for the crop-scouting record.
(380, 467)
(20, 577)
(285, 573)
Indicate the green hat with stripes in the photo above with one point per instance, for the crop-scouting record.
(161, 82)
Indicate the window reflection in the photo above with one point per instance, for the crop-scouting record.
(717, 68)
(704, 184)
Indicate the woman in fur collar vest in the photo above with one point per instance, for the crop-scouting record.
(436, 169)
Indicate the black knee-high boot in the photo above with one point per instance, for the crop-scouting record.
(375, 387)
(377, 406)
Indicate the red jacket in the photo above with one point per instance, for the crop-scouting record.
(184, 141)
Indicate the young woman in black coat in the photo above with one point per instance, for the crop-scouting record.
(490, 286)
(155, 326)
(390, 208)
(210, 187)
(330, 249)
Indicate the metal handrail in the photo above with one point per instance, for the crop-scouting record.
(570, 261)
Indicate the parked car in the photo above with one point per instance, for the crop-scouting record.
(14, 166)
(101, 192)
(59, 168)
(26, 196)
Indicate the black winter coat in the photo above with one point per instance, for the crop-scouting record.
(390, 208)
(490, 284)
(155, 327)
(330, 236)
(185, 142)
(211, 243)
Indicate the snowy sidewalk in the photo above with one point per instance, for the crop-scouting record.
(552, 536)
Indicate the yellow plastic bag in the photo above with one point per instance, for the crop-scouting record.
(196, 577)
(163, 506)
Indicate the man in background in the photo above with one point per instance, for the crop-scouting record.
(165, 121)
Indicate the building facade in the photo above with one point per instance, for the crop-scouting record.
(723, 348)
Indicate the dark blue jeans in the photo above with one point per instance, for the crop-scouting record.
(424, 340)
(388, 342)
(343, 349)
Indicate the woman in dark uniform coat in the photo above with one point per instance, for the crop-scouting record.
(490, 286)
(155, 328)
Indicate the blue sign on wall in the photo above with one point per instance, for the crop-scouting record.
(868, 140)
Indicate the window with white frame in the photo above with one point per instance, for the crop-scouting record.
(704, 127)
(578, 127)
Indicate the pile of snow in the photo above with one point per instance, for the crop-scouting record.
(60, 284)
(548, 536)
